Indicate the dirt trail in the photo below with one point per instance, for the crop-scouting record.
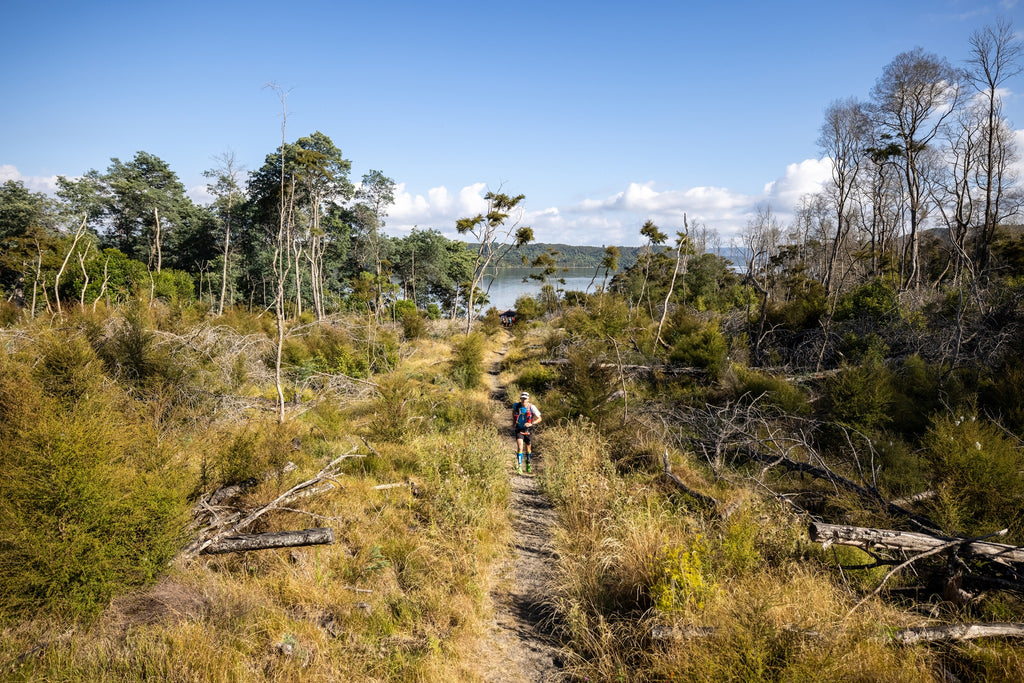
(517, 646)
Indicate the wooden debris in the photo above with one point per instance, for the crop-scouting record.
(889, 539)
(276, 539)
(956, 632)
(703, 500)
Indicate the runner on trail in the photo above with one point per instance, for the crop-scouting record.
(524, 417)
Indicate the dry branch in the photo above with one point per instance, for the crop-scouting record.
(666, 369)
(276, 539)
(927, 634)
(864, 492)
(323, 481)
(909, 541)
(703, 500)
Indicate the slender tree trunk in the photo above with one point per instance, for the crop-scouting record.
(681, 246)
(227, 253)
(159, 250)
(103, 285)
(56, 281)
(85, 274)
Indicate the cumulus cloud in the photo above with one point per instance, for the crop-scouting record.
(616, 218)
(800, 179)
(47, 184)
(438, 208)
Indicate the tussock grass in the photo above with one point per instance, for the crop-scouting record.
(649, 589)
(399, 596)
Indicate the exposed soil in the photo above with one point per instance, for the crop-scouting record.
(518, 645)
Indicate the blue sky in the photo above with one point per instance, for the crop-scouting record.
(603, 114)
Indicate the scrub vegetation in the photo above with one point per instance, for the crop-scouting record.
(796, 467)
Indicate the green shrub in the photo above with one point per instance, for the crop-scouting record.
(467, 365)
(918, 384)
(700, 346)
(770, 390)
(527, 309)
(132, 355)
(397, 413)
(10, 313)
(804, 305)
(860, 348)
(534, 377)
(862, 396)
(875, 300)
(684, 585)
(433, 311)
(605, 317)
(87, 509)
(588, 384)
(413, 325)
(490, 323)
(980, 476)
(68, 368)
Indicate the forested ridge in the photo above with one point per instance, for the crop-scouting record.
(807, 468)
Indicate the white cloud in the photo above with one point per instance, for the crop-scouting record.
(1017, 164)
(200, 194)
(803, 178)
(47, 184)
(438, 209)
(616, 218)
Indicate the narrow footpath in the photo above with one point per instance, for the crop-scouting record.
(517, 647)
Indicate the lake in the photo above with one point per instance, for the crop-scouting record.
(509, 285)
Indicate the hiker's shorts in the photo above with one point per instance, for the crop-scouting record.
(525, 436)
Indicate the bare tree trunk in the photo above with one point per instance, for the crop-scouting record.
(682, 244)
(56, 281)
(39, 274)
(159, 250)
(103, 285)
(888, 539)
(85, 274)
(929, 634)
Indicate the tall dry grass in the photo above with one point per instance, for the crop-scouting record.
(650, 588)
(399, 596)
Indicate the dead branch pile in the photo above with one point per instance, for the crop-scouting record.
(220, 522)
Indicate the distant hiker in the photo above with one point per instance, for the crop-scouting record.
(525, 416)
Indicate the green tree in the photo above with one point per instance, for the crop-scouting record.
(491, 230)
(143, 203)
(375, 195)
(914, 96)
(27, 219)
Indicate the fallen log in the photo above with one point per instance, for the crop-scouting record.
(927, 634)
(267, 541)
(889, 539)
(325, 480)
(916, 498)
(626, 367)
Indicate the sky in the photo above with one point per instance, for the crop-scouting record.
(603, 114)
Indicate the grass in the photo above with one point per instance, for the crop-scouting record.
(731, 600)
(649, 586)
(399, 596)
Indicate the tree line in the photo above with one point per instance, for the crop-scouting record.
(109, 234)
